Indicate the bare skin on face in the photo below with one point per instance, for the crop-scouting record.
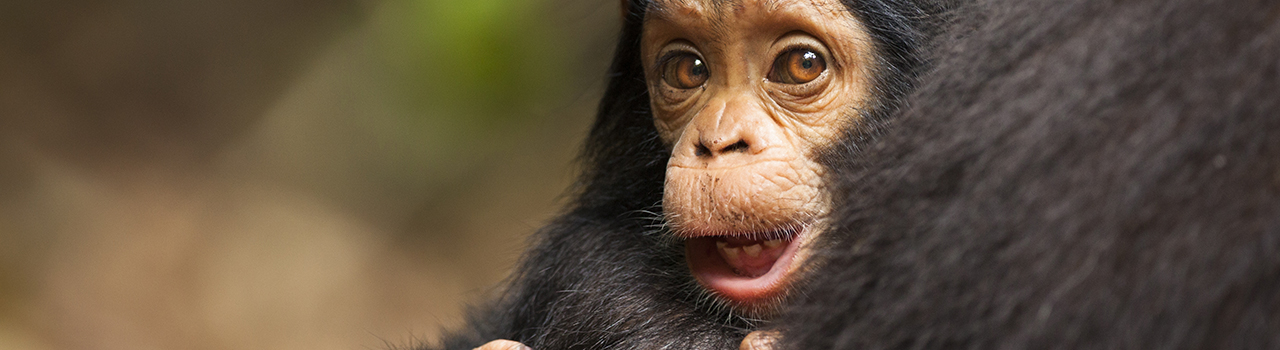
(745, 92)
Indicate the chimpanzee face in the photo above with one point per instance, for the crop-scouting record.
(744, 92)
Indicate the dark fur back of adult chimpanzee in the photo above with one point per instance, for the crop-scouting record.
(1075, 174)
(605, 275)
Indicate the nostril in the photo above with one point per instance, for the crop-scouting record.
(701, 151)
(741, 145)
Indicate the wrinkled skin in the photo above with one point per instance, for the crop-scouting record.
(744, 136)
(773, 180)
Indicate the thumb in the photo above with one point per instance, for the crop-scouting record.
(503, 344)
(759, 340)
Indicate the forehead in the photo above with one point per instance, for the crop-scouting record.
(719, 7)
(718, 17)
(725, 10)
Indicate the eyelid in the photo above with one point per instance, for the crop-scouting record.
(673, 49)
(796, 47)
(801, 40)
(670, 55)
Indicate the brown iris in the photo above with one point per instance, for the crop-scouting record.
(797, 66)
(685, 71)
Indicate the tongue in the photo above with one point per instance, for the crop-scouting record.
(750, 258)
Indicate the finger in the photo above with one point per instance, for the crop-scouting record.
(503, 344)
(759, 340)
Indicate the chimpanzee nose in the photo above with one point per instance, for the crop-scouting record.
(706, 148)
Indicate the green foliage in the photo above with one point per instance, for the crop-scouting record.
(484, 62)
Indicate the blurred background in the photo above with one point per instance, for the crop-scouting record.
(279, 174)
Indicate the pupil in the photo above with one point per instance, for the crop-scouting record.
(808, 60)
(698, 69)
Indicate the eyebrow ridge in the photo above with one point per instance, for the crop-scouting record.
(664, 11)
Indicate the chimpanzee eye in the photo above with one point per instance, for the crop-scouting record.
(797, 66)
(685, 71)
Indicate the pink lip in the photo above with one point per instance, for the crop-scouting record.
(747, 292)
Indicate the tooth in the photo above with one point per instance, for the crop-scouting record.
(773, 243)
(721, 244)
(730, 254)
(753, 250)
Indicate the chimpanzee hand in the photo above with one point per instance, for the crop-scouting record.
(503, 344)
(759, 340)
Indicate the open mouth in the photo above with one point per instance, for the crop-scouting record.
(748, 269)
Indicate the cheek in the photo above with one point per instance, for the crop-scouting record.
(826, 125)
(668, 130)
(671, 119)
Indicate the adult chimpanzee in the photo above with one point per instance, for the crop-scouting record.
(704, 178)
(1078, 174)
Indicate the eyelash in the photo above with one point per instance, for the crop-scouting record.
(797, 46)
(667, 56)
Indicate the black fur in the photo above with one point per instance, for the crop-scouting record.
(606, 275)
(1075, 174)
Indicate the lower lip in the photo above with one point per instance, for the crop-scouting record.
(744, 292)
